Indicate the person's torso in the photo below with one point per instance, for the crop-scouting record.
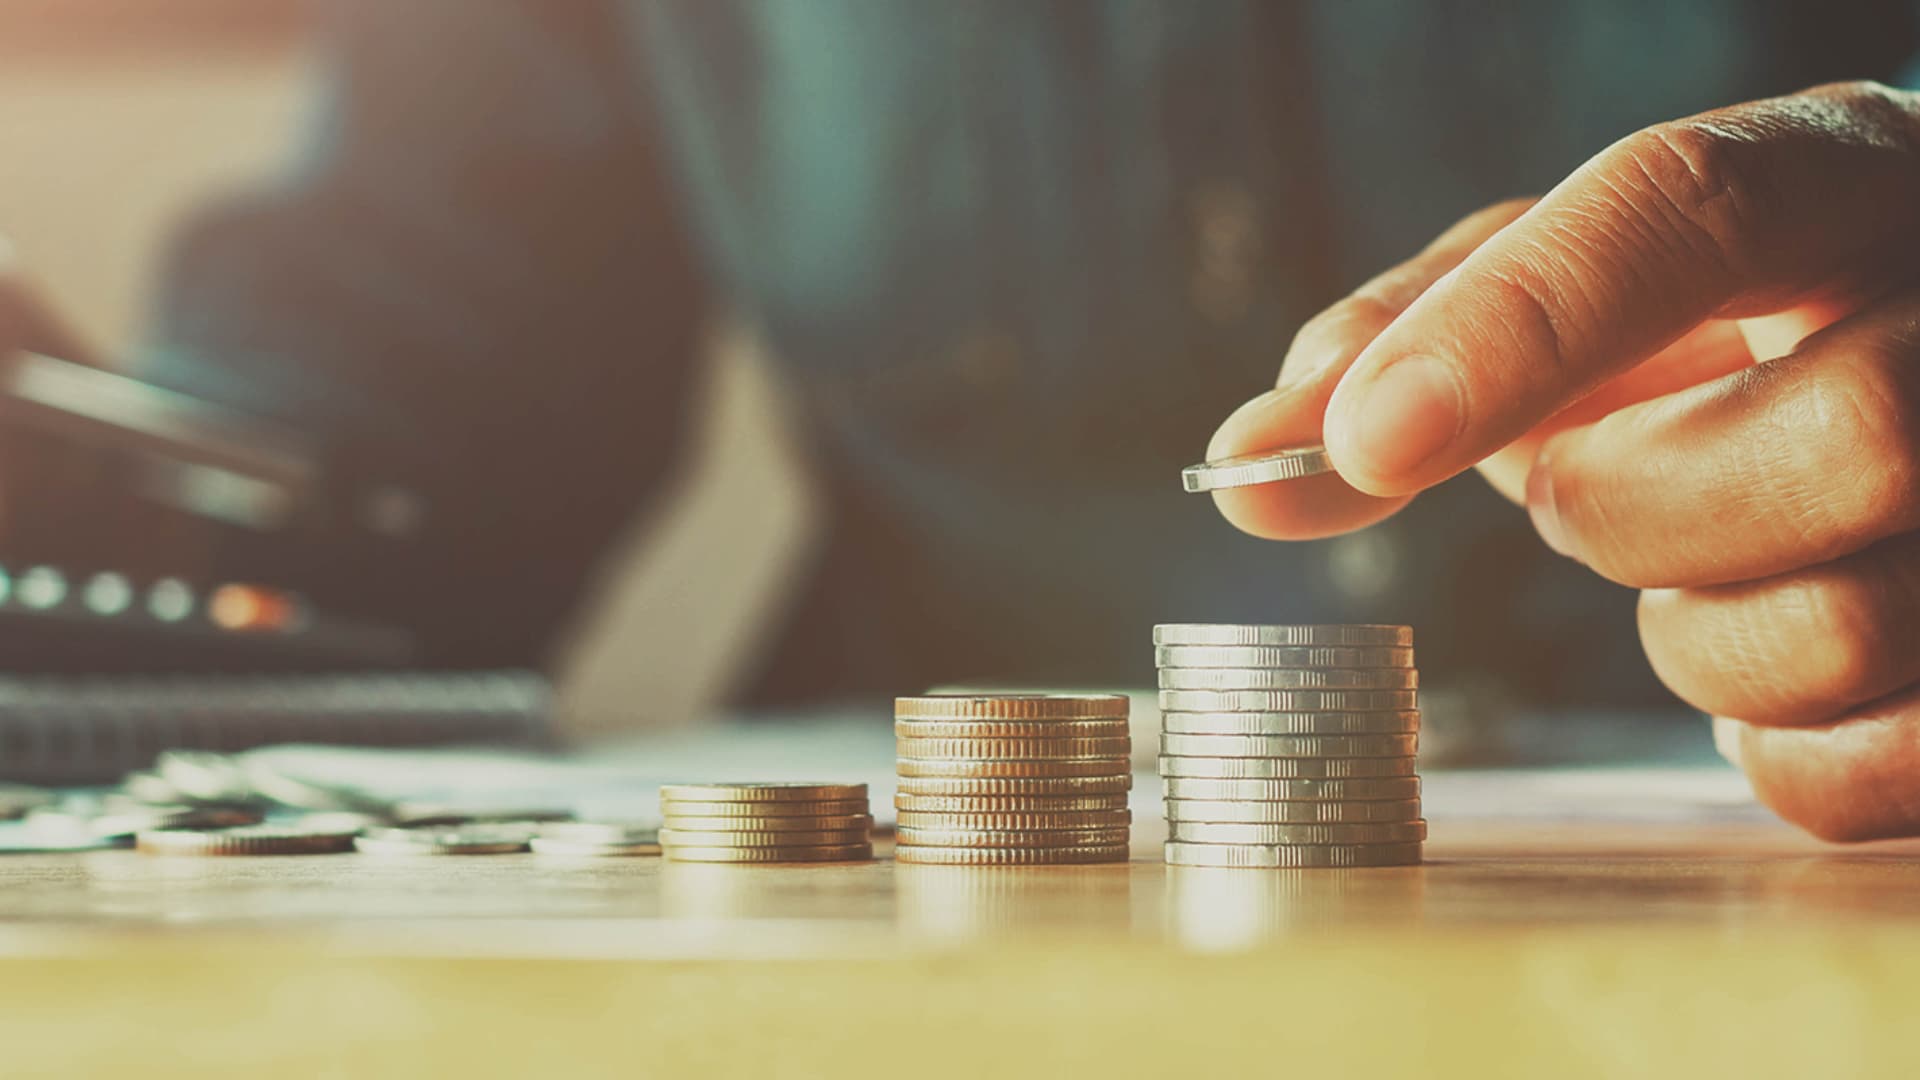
(1020, 258)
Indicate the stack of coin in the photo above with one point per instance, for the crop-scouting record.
(765, 823)
(1289, 746)
(1012, 779)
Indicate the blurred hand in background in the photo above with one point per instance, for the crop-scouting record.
(27, 319)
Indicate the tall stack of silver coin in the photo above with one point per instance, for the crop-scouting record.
(1289, 746)
(1012, 779)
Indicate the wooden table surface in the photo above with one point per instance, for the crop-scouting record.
(1519, 950)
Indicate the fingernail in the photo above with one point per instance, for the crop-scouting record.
(1404, 415)
(1544, 510)
(1726, 739)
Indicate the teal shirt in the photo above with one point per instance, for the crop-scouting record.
(1016, 259)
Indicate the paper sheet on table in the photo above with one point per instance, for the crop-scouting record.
(622, 781)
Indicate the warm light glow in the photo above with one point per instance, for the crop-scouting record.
(252, 609)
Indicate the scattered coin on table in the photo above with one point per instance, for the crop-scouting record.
(243, 840)
(592, 839)
(455, 840)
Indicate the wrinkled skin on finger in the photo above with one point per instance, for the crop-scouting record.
(1696, 363)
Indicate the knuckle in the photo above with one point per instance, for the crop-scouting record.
(1696, 177)
(1535, 311)
(1594, 519)
(1716, 660)
(1845, 623)
(1861, 104)
(1867, 418)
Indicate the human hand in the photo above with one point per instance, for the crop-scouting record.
(27, 321)
(1598, 355)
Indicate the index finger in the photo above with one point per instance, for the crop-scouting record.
(1290, 414)
(1736, 212)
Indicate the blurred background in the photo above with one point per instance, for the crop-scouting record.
(120, 118)
(748, 355)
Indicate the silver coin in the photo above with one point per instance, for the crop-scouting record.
(1364, 789)
(1016, 787)
(476, 840)
(1015, 820)
(204, 776)
(1290, 746)
(585, 849)
(1288, 700)
(1264, 467)
(282, 786)
(763, 791)
(1025, 838)
(983, 856)
(674, 838)
(1357, 634)
(907, 802)
(1013, 749)
(1281, 656)
(1289, 678)
(151, 787)
(128, 820)
(1292, 813)
(1010, 729)
(1226, 768)
(598, 832)
(1180, 853)
(345, 821)
(1291, 723)
(1287, 834)
(839, 822)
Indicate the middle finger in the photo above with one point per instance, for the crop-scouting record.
(1795, 649)
(1786, 464)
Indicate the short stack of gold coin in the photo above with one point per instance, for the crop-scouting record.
(765, 823)
(1012, 779)
(1290, 746)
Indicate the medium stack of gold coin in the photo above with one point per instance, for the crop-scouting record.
(1290, 746)
(1012, 779)
(765, 823)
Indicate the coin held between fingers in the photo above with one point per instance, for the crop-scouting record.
(1265, 467)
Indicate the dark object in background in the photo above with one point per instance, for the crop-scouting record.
(98, 729)
(126, 506)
